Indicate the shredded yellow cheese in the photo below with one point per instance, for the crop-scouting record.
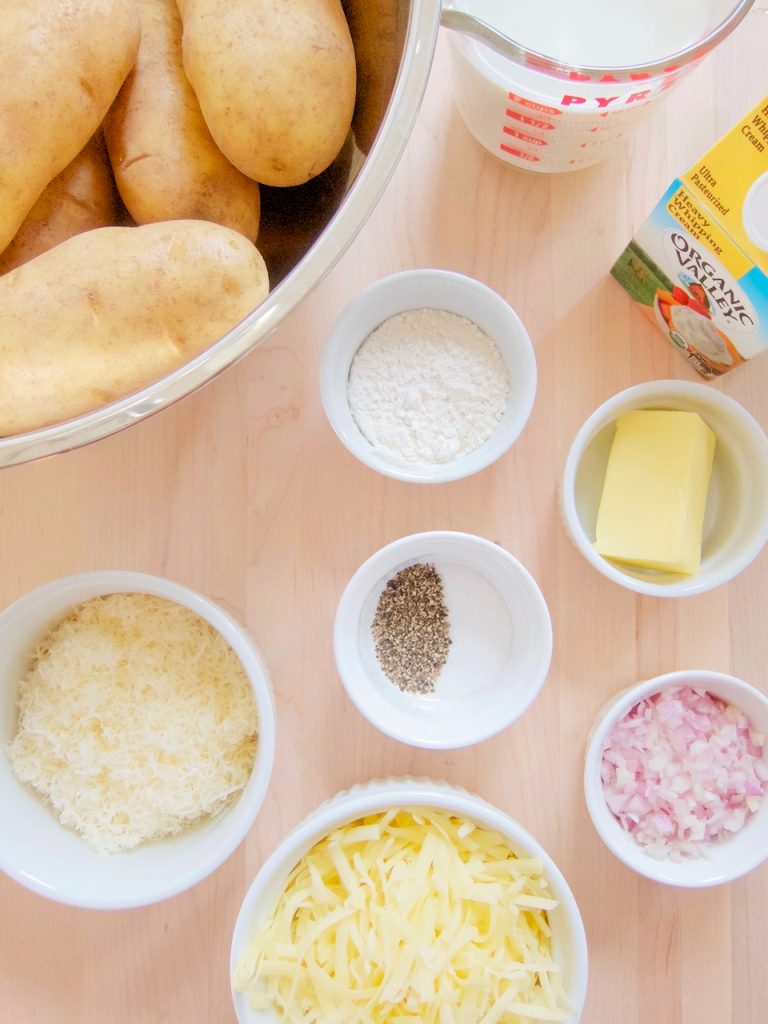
(408, 916)
(136, 719)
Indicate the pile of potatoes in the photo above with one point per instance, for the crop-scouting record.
(135, 135)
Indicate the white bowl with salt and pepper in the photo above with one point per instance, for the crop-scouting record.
(433, 694)
(428, 376)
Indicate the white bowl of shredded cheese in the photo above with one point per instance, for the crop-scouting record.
(138, 738)
(408, 898)
(428, 376)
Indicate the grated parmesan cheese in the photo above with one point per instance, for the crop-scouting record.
(135, 720)
(408, 916)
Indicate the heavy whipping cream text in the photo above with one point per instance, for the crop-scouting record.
(757, 131)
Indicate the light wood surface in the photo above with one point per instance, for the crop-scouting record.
(243, 492)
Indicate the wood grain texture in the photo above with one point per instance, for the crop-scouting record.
(243, 492)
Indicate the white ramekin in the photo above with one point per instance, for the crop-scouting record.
(724, 861)
(736, 519)
(437, 289)
(481, 708)
(48, 858)
(568, 937)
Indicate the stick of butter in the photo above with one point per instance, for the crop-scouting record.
(655, 491)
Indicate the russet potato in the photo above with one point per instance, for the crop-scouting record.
(109, 311)
(167, 166)
(62, 63)
(378, 28)
(275, 81)
(81, 198)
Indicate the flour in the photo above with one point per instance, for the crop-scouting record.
(427, 386)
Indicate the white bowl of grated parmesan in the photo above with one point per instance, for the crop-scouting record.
(428, 376)
(408, 899)
(137, 738)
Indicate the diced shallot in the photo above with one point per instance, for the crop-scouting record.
(682, 769)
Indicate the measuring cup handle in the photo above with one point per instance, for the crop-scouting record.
(462, 21)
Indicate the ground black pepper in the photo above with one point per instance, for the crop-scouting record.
(411, 631)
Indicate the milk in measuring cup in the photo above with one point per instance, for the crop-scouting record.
(598, 33)
(545, 122)
(698, 266)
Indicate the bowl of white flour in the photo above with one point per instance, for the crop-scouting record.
(428, 376)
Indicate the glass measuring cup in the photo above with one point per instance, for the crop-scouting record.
(545, 113)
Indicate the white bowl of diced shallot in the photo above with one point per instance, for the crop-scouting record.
(676, 777)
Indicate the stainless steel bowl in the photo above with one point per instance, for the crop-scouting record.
(394, 43)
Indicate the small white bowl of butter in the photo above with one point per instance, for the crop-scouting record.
(735, 520)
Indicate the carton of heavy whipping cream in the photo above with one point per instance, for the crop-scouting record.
(699, 264)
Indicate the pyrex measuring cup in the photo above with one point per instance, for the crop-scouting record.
(545, 113)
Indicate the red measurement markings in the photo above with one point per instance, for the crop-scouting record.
(519, 153)
(523, 102)
(534, 122)
(525, 138)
